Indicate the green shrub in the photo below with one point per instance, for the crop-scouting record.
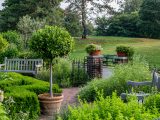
(61, 72)
(110, 108)
(137, 70)
(3, 43)
(3, 115)
(24, 91)
(14, 38)
(79, 76)
(28, 55)
(153, 101)
(10, 52)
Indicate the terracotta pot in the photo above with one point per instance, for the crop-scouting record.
(121, 54)
(50, 105)
(95, 53)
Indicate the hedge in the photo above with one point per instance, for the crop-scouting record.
(24, 91)
(3, 113)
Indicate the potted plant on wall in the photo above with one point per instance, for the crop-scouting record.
(49, 43)
(93, 49)
(124, 51)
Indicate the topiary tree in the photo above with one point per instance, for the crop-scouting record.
(50, 43)
(3, 43)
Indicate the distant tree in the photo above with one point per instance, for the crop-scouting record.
(72, 22)
(81, 6)
(27, 25)
(120, 25)
(129, 6)
(150, 18)
(102, 26)
(15, 9)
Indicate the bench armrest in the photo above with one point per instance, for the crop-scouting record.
(2, 65)
(38, 66)
(134, 84)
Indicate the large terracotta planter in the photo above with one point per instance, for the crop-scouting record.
(121, 54)
(50, 105)
(95, 53)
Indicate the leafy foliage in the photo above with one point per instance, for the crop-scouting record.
(13, 37)
(27, 26)
(3, 43)
(72, 23)
(111, 108)
(14, 10)
(129, 6)
(10, 52)
(3, 115)
(61, 72)
(24, 91)
(120, 25)
(153, 101)
(51, 42)
(137, 70)
(129, 51)
(150, 18)
(93, 47)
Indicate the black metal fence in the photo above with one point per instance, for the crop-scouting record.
(79, 75)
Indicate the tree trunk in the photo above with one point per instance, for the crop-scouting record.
(84, 34)
(51, 94)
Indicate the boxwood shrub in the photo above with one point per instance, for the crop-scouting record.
(24, 91)
(3, 115)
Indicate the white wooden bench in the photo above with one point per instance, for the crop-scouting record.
(21, 65)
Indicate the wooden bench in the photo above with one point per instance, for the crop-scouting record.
(141, 95)
(21, 65)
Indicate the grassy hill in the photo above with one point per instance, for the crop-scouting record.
(149, 48)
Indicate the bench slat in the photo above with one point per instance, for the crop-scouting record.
(22, 65)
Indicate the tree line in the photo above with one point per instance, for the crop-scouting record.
(134, 18)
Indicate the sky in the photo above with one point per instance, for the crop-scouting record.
(63, 5)
(1, 1)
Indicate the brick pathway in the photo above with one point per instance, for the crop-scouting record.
(69, 99)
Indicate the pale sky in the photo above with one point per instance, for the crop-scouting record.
(63, 5)
(1, 1)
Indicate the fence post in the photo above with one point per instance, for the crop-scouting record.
(95, 66)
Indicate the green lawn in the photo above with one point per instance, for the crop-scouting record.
(149, 48)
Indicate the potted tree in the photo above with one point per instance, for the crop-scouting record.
(124, 51)
(49, 43)
(93, 49)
